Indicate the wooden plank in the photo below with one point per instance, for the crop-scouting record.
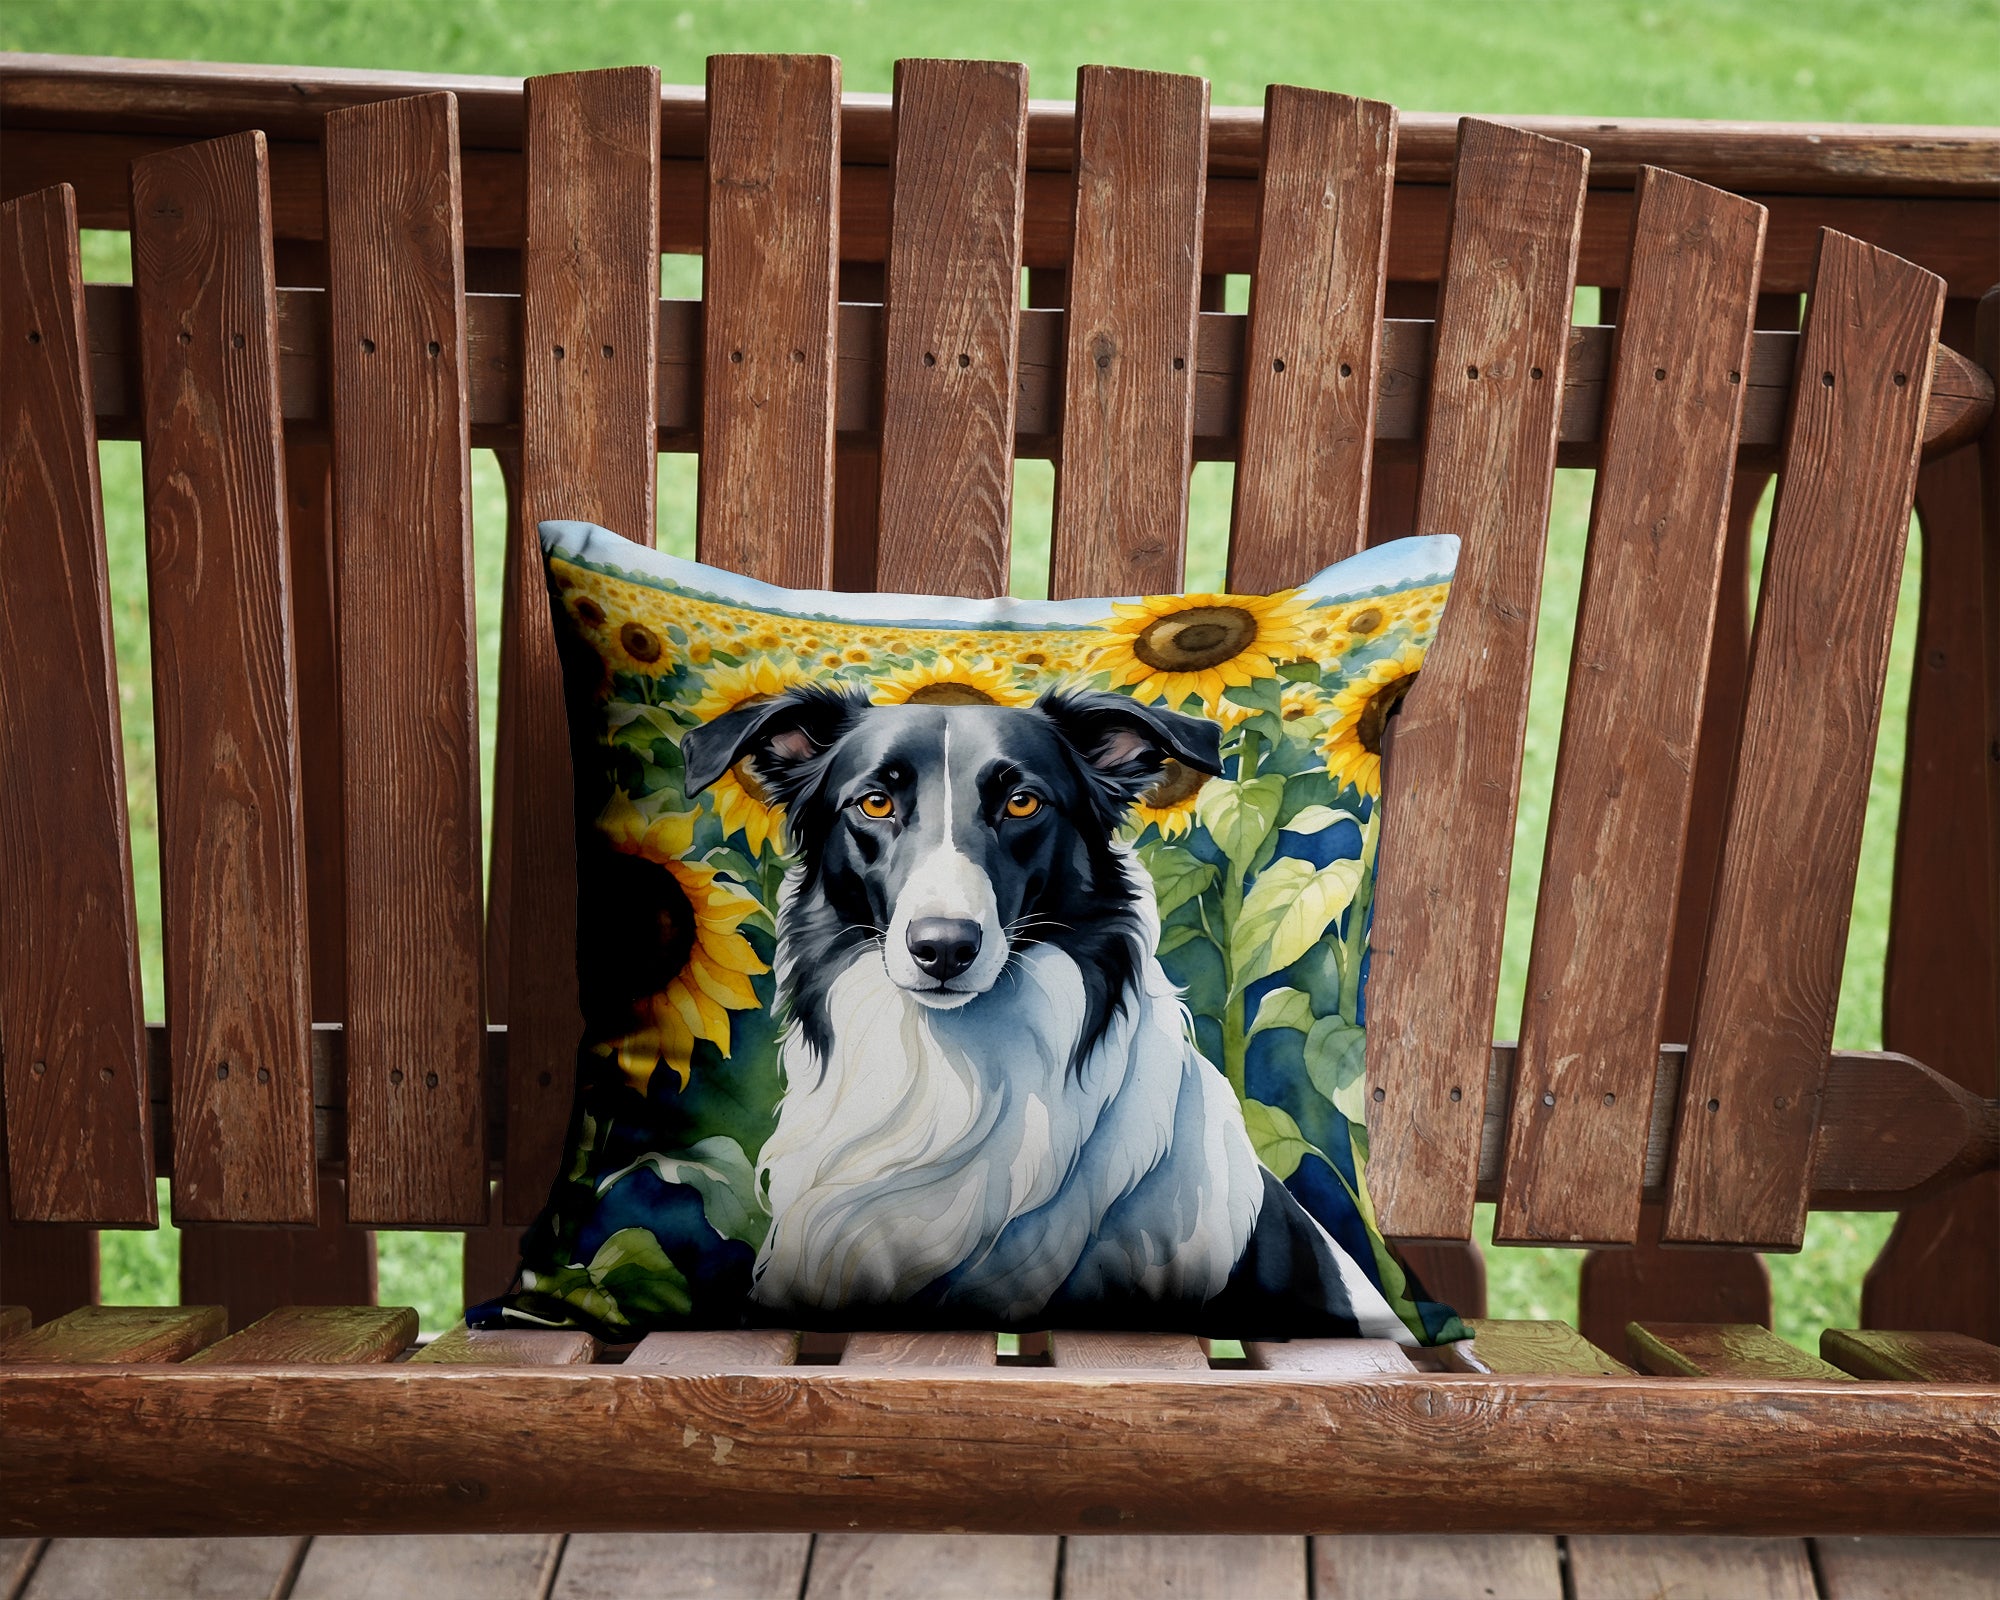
(1507, 1346)
(1647, 1281)
(48, 1267)
(409, 696)
(951, 324)
(321, 1334)
(722, 1350)
(1216, 1567)
(254, 1271)
(14, 1320)
(1597, 970)
(933, 1566)
(1764, 1020)
(1129, 334)
(590, 335)
(920, 1350)
(1915, 1357)
(118, 1334)
(1334, 1358)
(466, 1566)
(232, 867)
(1142, 1352)
(1310, 371)
(1721, 1350)
(461, 1346)
(769, 282)
(18, 1559)
(1907, 1569)
(491, 1255)
(1367, 1566)
(1489, 465)
(166, 1569)
(1615, 1566)
(682, 1566)
(77, 1132)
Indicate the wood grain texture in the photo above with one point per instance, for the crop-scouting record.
(1646, 1281)
(491, 1566)
(316, 1335)
(933, 1566)
(93, 1335)
(1489, 464)
(1129, 334)
(1618, 1566)
(14, 1320)
(77, 1130)
(1721, 1350)
(682, 1566)
(589, 345)
(409, 698)
(951, 323)
(165, 1569)
(1916, 1357)
(48, 1267)
(769, 280)
(1333, 1358)
(411, 1447)
(492, 1254)
(254, 1271)
(1624, 785)
(1216, 1567)
(723, 1350)
(461, 1346)
(1094, 1350)
(1907, 1569)
(1506, 1347)
(225, 721)
(1315, 336)
(920, 1350)
(1764, 1018)
(1366, 1566)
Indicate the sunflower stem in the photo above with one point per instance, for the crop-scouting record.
(1355, 945)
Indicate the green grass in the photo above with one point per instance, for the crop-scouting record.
(1857, 60)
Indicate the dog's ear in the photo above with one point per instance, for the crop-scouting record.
(1127, 742)
(785, 737)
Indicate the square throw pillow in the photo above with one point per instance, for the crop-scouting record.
(953, 964)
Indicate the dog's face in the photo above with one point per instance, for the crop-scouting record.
(953, 834)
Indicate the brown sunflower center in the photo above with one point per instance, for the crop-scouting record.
(1375, 715)
(641, 644)
(590, 613)
(951, 694)
(1195, 639)
(1366, 622)
(1178, 784)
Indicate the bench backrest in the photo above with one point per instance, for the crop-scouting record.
(316, 702)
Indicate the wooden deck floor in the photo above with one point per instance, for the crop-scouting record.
(670, 1566)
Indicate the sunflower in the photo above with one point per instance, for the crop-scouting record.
(714, 977)
(1300, 700)
(741, 805)
(1169, 804)
(1174, 646)
(1352, 743)
(951, 681)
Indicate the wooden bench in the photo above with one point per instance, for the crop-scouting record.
(474, 265)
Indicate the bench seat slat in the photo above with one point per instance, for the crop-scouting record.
(318, 1335)
(1913, 1357)
(255, 1271)
(115, 1335)
(1329, 1357)
(720, 1351)
(1090, 1349)
(509, 1347)
(1508, 1347)
(920, 1350)
(1721, 1350)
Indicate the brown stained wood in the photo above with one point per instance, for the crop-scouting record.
(1333, 1358)
(933, 1566)
(1624, 785)
(951, 322)
(1366, 1566)
(491, 1255)
(1937, 1267)
(682, 1566)
(1907, 1569)
(1089, 1349)
(1314, 337)
(316, 669)
(319, 1335)
(919, 1350)
(409, 699)
(589, 351)
(1509, 1347)
(14, 1320)
(491, 1566)
(1764, 1017)
(1489, 465)
(77, 1134)
(253, 1271)
(48, 1267)
(232, 867)
(1618, 1566)
(1914, 1357)
(165, 1569)
(723, 1350)
(93, 1335)
(461, 1346)
(414, 1448)
(1647, 1282)
(1215, 1567)
(1721, 1350)
(1453, 1271)
(1129, 334)
(769, 351)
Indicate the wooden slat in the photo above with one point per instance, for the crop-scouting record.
(491, 1255)
(1648, 1281)
(1616, 1566)
(920, 1350)
(1217, 1567)
(590, 334)
(1721, 1350)
(14, 1320)
(1129, 335)
(1915, 1357)
(1907, 1569)
(509, 1347)
(118, 1334)
(723, 1350)
(1314, 338)
(1367, 1566)
(682, 1566)
(769, 353)
(317, 1334)
(492, 1566)
(951, 322)
(409, 698)
(1144, 1352)
(1751, 1095)
(77, 1134)
(232, 866)
(1489, 465)
(1507, 1346)
(254, 1271)
(1337, 1358)
(47, 1267)
(165, 1569)
(933, 1566)
(1597, 971)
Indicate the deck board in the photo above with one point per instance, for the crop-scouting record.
(1908, 1569)
(682, 1566)
(932, 1566)
(1623, 1566)
(443, 1566)
(164, 1569)
(1186, 1566)
(1368, 1566)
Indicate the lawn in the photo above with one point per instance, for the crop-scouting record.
(1842, 60)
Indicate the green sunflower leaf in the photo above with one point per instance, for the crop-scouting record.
(1289, 907)
(1283, 1008)
(1178, 875)
(1334, 1059)
(1240, 816)
(1275, 1137)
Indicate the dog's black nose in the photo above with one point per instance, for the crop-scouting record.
(943, 947)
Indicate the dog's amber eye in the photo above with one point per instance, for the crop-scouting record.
(876, 804)
(1022, 804)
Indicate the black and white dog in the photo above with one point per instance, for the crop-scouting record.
(994, 1110)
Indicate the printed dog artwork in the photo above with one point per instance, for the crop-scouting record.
(974, 965)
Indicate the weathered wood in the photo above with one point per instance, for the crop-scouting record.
(1764, 1019)
(48, 1267)
(232, 867)
(18, 1558)
(1369, 1566)
(1645, 1282)
(1225, 1566)
(1615, 1566)
(409, 698)
(255, 1271)
(1597, 971)
(1915, 1357)
(165, 1569)
(1721, 1350)
(490, 1566)
(1331, 1358)
(93, 1335)
(1090, 1349)
(1505, 1347)
(919, 1350)
(1489, 465)
(77, 1135)
(933, 1566)
(461, 1346)
(769, 350)
(316, 1334)
(682, 1566)
(724, 1350)
(951, 323)
(1129, 356)
(14, 1320)
(1907, 1569)
(1313, 344)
